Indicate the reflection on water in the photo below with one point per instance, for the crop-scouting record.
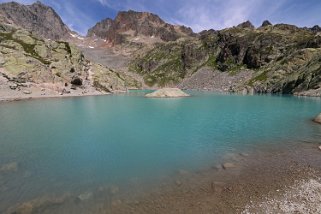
(86, 150)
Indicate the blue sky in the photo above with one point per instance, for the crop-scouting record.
(79, 15)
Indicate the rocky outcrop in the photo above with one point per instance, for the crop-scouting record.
(316, 29)
(167, 93)
(28, 60)
(266, 23)
(246, 24)
(38, 18)
(318, 119)
(130, 24)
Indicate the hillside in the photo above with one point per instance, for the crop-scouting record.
(277, 59)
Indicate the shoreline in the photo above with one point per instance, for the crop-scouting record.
(22, 97)
(265, 178)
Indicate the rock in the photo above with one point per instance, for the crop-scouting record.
(37, 18)
(116, 203)
(65, 91)
(228, 165)
(246, 24)
(114, 190)
(316, 29)
(27, 92)
(140, 24)
(318, 119)
(244, 154)
(9, 167)
(266, 23)
(167, 93)
(13, 86)
(183, 172)
(320, 147)
(85, 196)
(178, 182)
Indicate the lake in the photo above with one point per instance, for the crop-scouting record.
(76, 145)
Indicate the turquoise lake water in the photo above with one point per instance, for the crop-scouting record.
(79, 144)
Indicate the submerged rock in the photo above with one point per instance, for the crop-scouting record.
(85, 196)
(167, 93)
(114, 190)
(318, 119)
(9, 167)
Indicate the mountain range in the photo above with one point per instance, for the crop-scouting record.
(140, 50)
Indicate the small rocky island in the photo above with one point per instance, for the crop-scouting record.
(167, 93)
(318, 119)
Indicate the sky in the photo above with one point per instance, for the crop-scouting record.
(200, 15)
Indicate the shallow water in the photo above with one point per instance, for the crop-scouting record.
(79, 144)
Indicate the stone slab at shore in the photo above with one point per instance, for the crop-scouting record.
(318, 119)
(167, 93)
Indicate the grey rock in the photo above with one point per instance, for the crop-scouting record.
(246, 24)
(141, 23)
(37, 18)
(228, 165)
(27, 92)
(167, 93)
(318, 119)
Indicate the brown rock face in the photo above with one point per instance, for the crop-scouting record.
(132, 23)
(37, 18)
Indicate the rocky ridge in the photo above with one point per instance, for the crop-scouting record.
(131, 26)
(280, 59)
(38, 18)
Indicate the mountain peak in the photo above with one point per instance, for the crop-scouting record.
(266, 23)
(134, 25)
(37, 18)
(246, 24)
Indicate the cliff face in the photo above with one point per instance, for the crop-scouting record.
(37, 18)
(131, 24)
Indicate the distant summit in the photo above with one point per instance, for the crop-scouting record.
(266, 23)
(37, 18)
(130, 24)
(246, 24)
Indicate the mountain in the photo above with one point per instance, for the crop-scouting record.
(271, 59)
(37, 18)
(134, 26)
(139, 49)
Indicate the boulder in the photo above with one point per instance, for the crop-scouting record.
(167, 93)
(228, 165)
(318, 119)
(26, 92)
